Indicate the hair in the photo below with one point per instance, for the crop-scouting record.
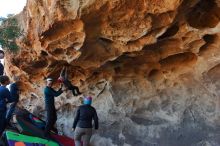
(2, 52)
(4, 79)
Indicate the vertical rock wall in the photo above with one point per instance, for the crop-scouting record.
(152, 67)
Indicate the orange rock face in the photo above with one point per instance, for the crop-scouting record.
(151, 66)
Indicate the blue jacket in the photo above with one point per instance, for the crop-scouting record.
(5, 97)
(49, 94)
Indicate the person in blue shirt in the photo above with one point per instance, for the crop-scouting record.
(5, 97)
(14, 91)
(51, 115)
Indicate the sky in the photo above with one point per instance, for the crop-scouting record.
(11, 7)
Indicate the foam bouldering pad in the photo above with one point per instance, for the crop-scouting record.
(15, 139)
(63, 140)
(30, 124)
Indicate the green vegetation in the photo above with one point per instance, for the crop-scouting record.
(9, 31)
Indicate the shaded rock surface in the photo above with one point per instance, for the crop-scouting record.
(152, 67)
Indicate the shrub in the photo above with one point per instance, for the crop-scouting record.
(9, 32)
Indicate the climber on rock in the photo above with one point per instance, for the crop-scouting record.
(14, 91)
(49, 95)
(63, 79)
(5, 97)
(82, 125)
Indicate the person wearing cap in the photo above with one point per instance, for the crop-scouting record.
(82, 125)
(5, 97)
(51, 116)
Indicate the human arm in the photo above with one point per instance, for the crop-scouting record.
(76, 119)
(52, 92)
(14, 91)
(96, 120)
(8, 96)
(57, 93)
